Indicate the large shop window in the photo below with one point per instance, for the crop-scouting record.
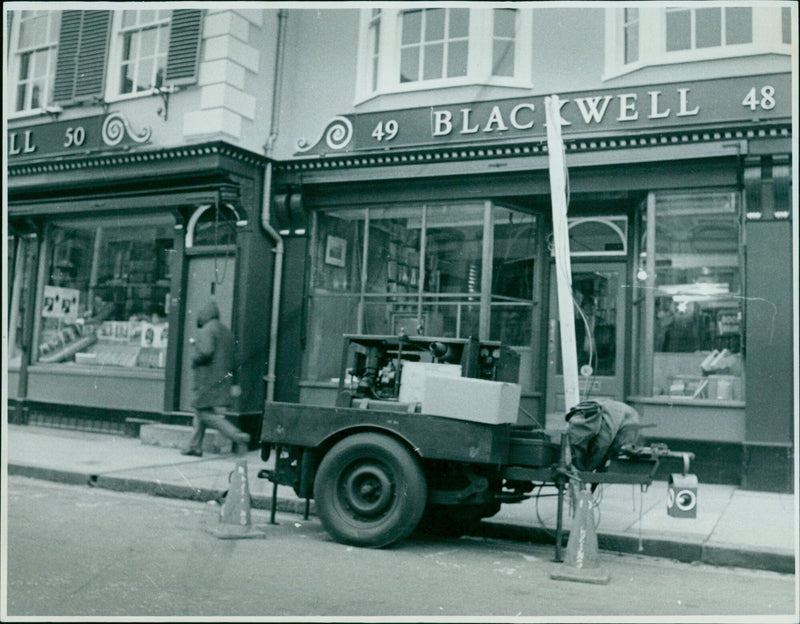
(436, 270)
(105, 299)
(694, 301)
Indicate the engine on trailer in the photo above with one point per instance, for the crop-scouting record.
(374, 364)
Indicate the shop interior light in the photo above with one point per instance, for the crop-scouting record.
(693, 203)
(701, 289)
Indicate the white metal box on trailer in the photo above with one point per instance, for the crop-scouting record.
(413, 374)
(477, 400)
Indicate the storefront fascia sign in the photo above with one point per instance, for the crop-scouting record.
(611, 111)
(75, 136)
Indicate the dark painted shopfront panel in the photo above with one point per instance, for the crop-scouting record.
(771, 375)
(100, 315)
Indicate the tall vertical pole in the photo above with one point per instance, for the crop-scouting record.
(485, 325)
(558, 195)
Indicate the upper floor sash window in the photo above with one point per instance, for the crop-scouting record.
(651, 35)
(35, 34)
(67, 57)
(708, 27)
(426, 48)
(503, 42)
(374, 43)
(631, 35)
(434, 44)
(144, 36)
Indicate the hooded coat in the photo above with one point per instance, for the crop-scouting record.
(213, 360)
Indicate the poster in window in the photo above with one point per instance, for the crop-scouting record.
(60, 302)
(335, 251)
(154, 335)
(121, 330)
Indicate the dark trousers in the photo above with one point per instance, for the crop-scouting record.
(214, 417)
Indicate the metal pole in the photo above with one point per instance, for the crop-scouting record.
(561, 484)
(274, 503)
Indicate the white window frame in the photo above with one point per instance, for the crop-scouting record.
(115, 60)
(496, 38)
(373, 38)
(479, 61)
(629, 25)
(14, 66)
(767, 31)
(447, 42)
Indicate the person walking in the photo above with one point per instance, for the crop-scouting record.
(213, 361)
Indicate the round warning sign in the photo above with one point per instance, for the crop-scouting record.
(685, 500)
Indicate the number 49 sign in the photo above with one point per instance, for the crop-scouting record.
(385, 131)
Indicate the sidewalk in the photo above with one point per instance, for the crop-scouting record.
(733, 527)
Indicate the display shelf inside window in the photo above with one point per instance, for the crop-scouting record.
(92, 340)
(402, 270)
(698, 350)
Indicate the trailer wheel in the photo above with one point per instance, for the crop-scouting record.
(369, 491)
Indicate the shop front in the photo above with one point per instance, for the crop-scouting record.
(436, 221)
(110, 255)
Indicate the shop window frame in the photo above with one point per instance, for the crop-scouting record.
(643, 328)
(617, 225)
(413, 306)
(23, 261)
(44, 260)
(230, 216)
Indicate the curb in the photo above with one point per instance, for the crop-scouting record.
(686, 552)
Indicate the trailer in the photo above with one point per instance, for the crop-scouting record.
(378, 466)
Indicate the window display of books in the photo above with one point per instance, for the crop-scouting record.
(130, 344)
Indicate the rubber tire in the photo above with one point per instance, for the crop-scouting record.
(369, 491)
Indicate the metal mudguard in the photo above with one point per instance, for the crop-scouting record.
(431, 437)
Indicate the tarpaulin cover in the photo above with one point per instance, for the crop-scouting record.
(598, 430)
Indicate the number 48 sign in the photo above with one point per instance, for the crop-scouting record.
(764, 99)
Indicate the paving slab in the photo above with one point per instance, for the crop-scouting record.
(759, 519)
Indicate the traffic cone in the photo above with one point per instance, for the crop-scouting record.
(581, 559)
(234, 517)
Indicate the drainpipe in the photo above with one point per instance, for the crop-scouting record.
(266, 208)
(276, 281)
